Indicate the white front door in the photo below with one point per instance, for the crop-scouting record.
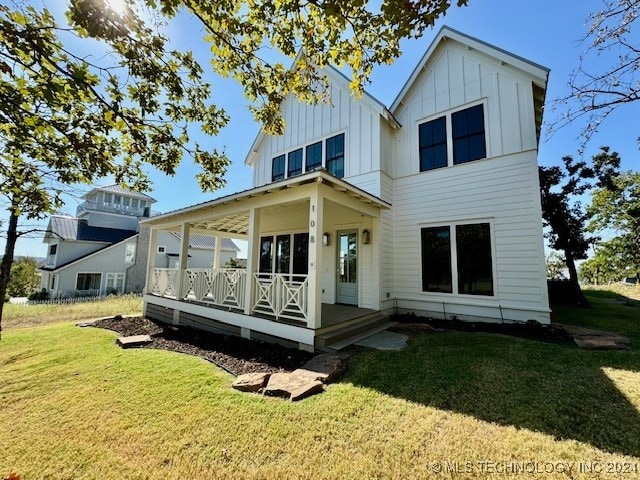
(347, 275)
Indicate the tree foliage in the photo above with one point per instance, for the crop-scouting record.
(555, 265)
(359, 34)
(595, 91)
(615, 205)
(608, 264)
(67, 117)
(24, 277)
(564, 215)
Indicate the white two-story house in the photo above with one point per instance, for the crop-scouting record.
(430, 206)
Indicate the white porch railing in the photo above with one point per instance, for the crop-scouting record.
(221, 286)
(277, 295)
(281, 295)
(164, 282)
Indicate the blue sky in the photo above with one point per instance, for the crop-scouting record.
(544, 31)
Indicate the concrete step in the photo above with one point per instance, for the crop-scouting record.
(352, 332)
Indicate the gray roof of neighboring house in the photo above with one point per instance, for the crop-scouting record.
(68, 228)
(120, 190)
(205, 242)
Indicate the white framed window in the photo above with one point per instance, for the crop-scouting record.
(458, 258)
(130, 253)
(161, 249)
(453, 138)
(108, 198)
(114, 283)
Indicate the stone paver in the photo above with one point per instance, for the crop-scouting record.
(597, 339)
(385, 340)
(133, 341)
(251, 382)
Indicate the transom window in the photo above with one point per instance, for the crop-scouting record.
(309, 158)
(457, 259)
(455, 138)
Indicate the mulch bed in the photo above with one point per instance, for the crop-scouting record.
(234, 354)
(553, 333)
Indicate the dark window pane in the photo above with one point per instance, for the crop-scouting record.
(468, 135)
(277, 169)
(88, 281)
(335, 155)
(295, 162)
(314, 156)
(283, 253)
(266, 244)
(475, 267)
(436, 259)
(433, 144)
(300, 255)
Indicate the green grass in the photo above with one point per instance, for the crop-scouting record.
(76, 406)
(19, 316)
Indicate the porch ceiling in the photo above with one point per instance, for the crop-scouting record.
(230, 214)
(238, 223)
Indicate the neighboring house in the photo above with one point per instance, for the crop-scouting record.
(97, 251)
(430, 206)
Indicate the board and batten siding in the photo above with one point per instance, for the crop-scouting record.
(502, 189)
(307, 124)
(455, 78)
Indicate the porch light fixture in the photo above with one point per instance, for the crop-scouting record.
(325, 239)
(366, 237)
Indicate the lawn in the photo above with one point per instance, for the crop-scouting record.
(17, 316)
(482, 405)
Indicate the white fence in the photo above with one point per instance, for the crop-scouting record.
(74, 300)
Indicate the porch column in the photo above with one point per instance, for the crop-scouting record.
(151, 258)
(314, 293)
(253, 258)
(183, 259)
(216, 252)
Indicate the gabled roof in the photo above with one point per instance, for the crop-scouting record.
(120, 190)
(207, 242)
(538, 73)
(341, 79)
(74, 229)
(83, 257)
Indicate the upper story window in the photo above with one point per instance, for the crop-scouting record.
(295, 163)
(53, 249)
(277, 168)
(468, 135)
(433, 144)
(452, 139)
(309, 157)
(314, 156)
(134, 203)
(335, 155)
(117, 199)
(126, 201)
(108, 197)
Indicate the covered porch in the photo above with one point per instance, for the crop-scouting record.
(313, 243)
